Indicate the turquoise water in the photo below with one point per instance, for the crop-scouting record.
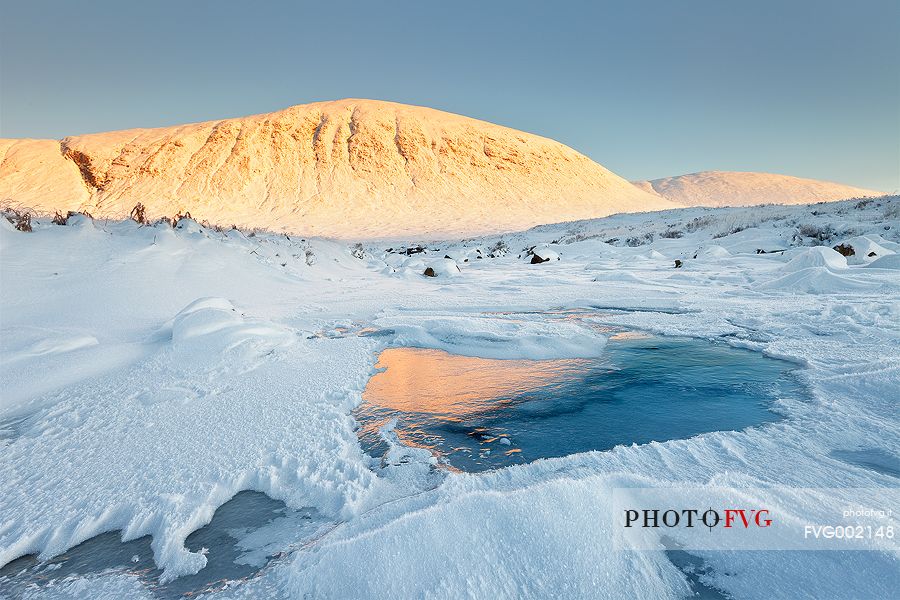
(643, 389)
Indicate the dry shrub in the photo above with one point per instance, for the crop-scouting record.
(892, 210)
(357, 251)
(21, 220)
(139, 214)
(179, 216)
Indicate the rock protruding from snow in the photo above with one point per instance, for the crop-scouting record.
(348, 168)
(542, 254)
(861, 250)
(729, 188)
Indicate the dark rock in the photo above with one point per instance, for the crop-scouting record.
(845, 249)
(678, 264)
(541, 254)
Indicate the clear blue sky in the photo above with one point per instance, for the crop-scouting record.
(648, 89)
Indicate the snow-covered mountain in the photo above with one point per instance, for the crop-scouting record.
(731, 188)
(348, 168)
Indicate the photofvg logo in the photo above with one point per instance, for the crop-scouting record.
(756, 518)
(691, 517)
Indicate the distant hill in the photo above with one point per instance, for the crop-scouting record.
(729, 188)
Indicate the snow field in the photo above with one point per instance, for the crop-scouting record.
(160, 371)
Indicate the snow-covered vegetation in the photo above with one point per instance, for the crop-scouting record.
(151, 372)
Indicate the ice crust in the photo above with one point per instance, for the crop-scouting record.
(494, 336)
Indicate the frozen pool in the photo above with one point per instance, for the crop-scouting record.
(473, 414)
(476, 414)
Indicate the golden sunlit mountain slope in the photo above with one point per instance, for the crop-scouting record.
(348, 168)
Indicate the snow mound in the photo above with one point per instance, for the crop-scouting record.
(817, 256)
(413, 262)
(79, 220)
(211, 326)
(188, 225)
(201, 304)
(891, 261)
(712, 251)
(892, 246)
(443, 267)
(619, 276)
(817, 280)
